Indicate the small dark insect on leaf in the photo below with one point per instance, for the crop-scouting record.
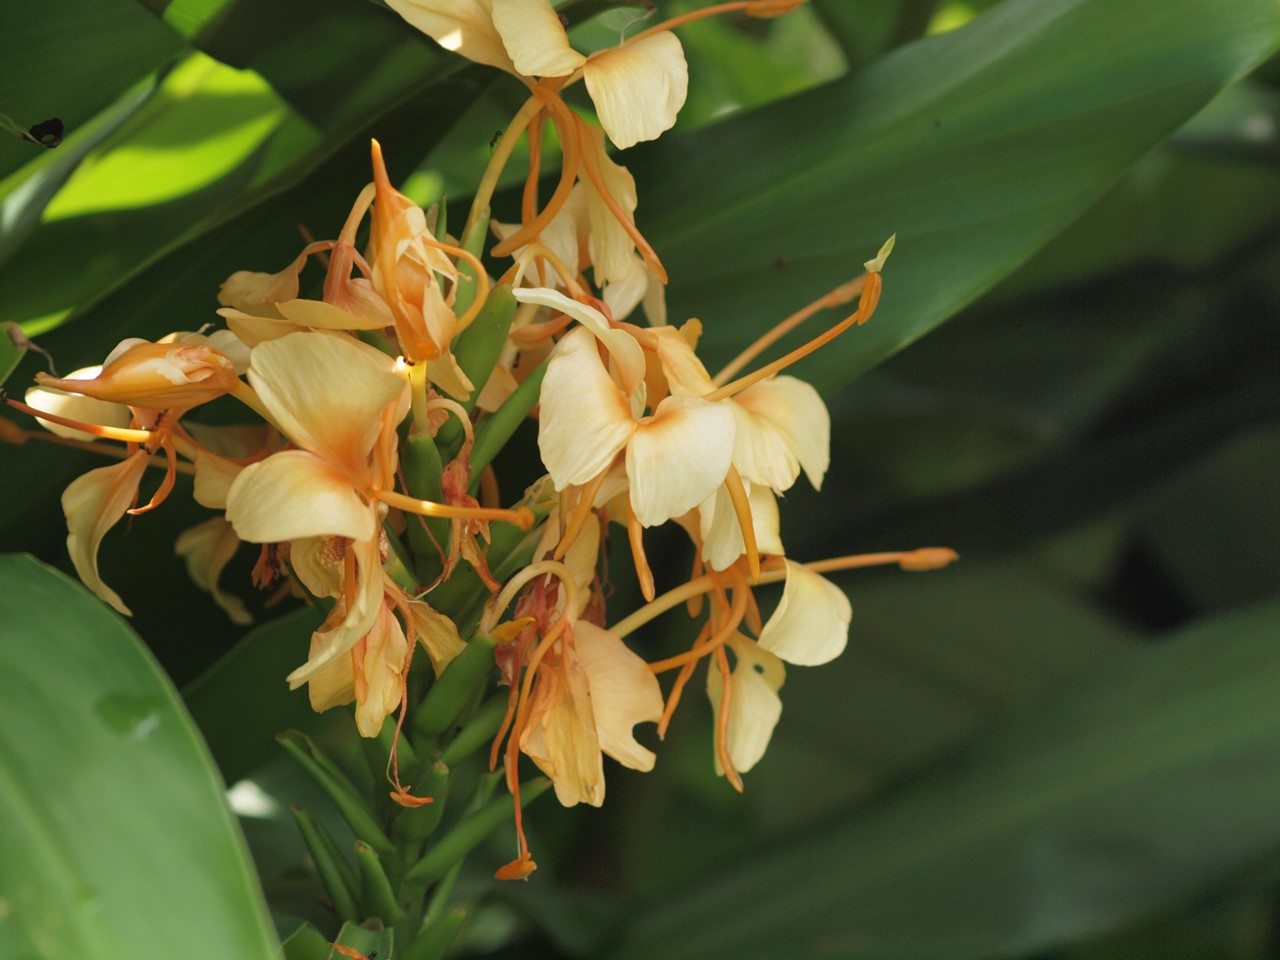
(47, 133)
(564, 21)
(493, 141)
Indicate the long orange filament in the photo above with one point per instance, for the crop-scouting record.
(718, 639)
(166, 485)
(570, 156)
(482, 280)
(635, 537)
(834, 298)
(107, 433)
(597, 180)
(529, 199)
(722, 720)
(522, 517)
(673, 700)
(586, 497)
(866, 307)
(742, 508)
(691, 16)
(498, 161)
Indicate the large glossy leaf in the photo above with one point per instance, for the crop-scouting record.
(118, 843)
(974, 147)
(1126, 792)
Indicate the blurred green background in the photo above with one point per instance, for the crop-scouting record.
(1065, 746)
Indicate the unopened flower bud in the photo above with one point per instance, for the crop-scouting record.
(157, 376)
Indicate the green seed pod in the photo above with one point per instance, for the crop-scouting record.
(454, 688)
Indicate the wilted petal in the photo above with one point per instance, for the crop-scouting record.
(624, 692)
(346, 626)
(157, 376)
(257, 293)
(297, 494)
(207, 548)
(811, 623)
(463, 26)
(445, 374)
(378, 677)
(561, 736)
(585, 419)
(535, 38)
(94, 502)
(73, 406)
(327, 393)
(437, 634)
(754, 705)
(678, 457)
(638, 88)
(796, 412)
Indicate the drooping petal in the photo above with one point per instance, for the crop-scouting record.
(258, 293)
(535, 38)
(678, 457)
(94, 502)
(207, 548)
(811, 623)
(626, 354)
(612, 249)
(638, 88)
(561, 735)
(437, 634)
(377, 677)
(795, 410)
(327, 393)
(585, 419)
(463, 26)
(73, 406)
(721, 530)
(624, 692)
(297, 494)
(754, 706)
(347, 623)
(333, 685)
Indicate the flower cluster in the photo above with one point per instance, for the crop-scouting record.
(366, 479)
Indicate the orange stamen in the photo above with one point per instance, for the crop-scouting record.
(586, 497)
(529, 199)
(166, 485)
(563, 119)
(482, 280)
(686, 672)
(723, 632)
(833, 298)
(522, 517)
(107, 433)
(742, 508)
(635, 535)
(401, 794)
(866, 307)
(722, 720)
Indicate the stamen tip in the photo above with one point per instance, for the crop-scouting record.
(928, 558)
(877, 265)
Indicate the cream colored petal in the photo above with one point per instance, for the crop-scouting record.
(327, 392)
(325, 316)
(75, 407)
(754, 707)
(811, 623)
(638, 88)
(207, 548)
(463, 26)
(796, 411)
(257, 293)
(317, 562)
(297, 494)
(585, 419)
(535, 38)
(377, 684)
(445, 374)
(684, 371)
(337, 637)
(612, 249)
(761, 452)
(332, 686)
(626, 354)
(655, 302)
(623, 295)
(678, 457)
(214, 476)
(624, 692)
(561, 737)
(721, 531)
(253, 330)
(94, 502)
(580, 558)
(437, 634)
(157, 376)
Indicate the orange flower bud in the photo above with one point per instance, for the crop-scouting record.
(156, 376)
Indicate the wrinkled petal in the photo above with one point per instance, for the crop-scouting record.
(638, 88)
(73, 406)
(794, 411)
(317, 562)
(561, 736)
(327, 393)
(535, 38)
(811, 623)
(207, 548)
(624, 692)
(257, 293)
(297, 494)
(678, 457)
(463, 26)
(437, 633)
(585, 419)
(377, 679)
(347, 625)
(94, 502)
(754, 706)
